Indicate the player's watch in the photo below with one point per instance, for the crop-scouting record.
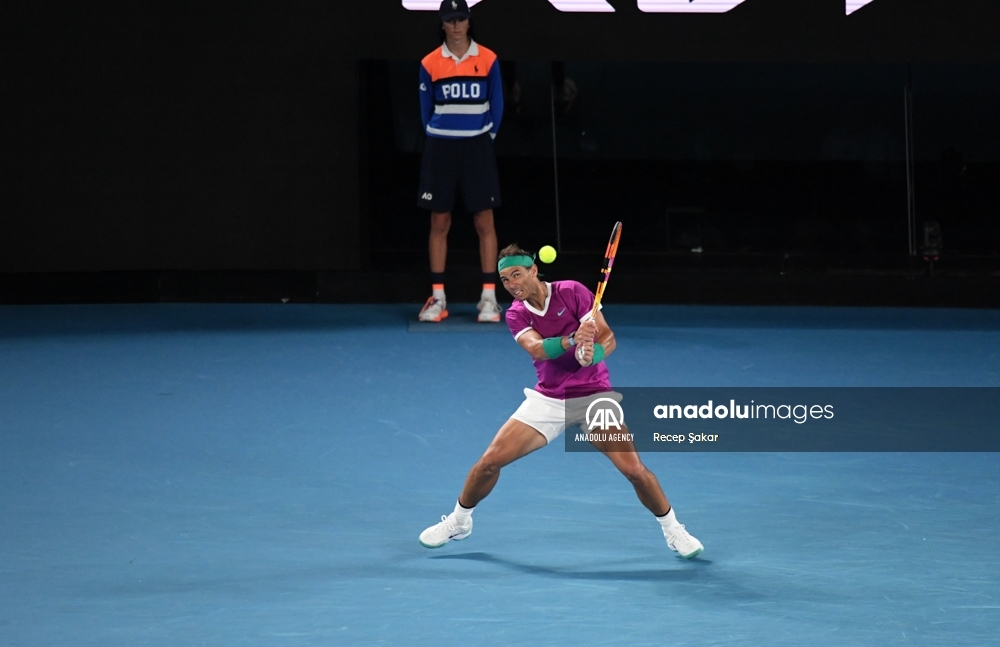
(572, 340)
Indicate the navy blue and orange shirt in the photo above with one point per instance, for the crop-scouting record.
(461, 98)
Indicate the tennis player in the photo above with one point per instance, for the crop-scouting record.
(551, 321)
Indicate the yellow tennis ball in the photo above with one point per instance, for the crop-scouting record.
(547, 254)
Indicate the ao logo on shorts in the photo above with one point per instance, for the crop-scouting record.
(605, 413)
(462, 90)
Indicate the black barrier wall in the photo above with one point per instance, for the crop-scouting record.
(211, 137)
(723, 158)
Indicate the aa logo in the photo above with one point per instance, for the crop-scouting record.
(604, 414)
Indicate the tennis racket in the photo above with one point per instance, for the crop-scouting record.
(609, 260)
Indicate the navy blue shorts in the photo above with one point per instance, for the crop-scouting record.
(466, 165)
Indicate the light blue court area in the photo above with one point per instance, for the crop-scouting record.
(258, 475)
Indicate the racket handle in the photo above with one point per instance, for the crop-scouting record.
(597, 301)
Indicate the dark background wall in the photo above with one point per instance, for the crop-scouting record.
(174, 137)
(212, 137)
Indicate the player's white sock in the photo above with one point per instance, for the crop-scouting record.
(439, 292)
(668, 520)
(462, 515)
(489, 292)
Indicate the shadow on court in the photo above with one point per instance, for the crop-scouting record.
(699, 579)
(693, 570)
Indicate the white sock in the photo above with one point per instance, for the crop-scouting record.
(439, 294)
(462, 515)
(489, 293)
(668, 521)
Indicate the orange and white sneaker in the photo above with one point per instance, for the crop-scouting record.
(435, 310)
(489, 310)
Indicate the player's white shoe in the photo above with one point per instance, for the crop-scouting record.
(434, 310)
(489, 310)
(680, 540)
(441, 533)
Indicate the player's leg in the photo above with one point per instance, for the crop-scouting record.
(514, 440)
(624, 456)
(538, 421)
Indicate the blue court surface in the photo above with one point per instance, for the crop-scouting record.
(258, 475)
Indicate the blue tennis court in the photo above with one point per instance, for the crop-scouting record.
(258, 475)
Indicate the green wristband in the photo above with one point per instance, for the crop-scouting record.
(553, 347)
(598, 353)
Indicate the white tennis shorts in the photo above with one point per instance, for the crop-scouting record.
(550, 416)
